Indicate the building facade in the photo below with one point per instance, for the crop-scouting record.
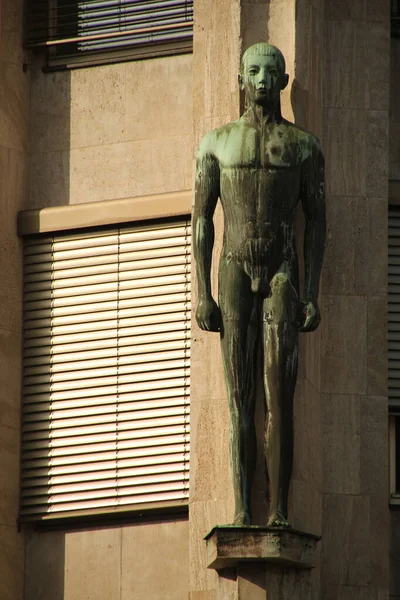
(104, 138)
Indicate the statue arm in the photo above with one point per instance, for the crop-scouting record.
(206, 197)
(313, 199)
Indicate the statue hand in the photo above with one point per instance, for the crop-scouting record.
(309, 316)
(208, 315)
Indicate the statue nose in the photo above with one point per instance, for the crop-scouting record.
(266, 82)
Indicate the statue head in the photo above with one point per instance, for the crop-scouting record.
(262, 75)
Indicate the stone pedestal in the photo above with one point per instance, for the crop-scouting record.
(230, 545)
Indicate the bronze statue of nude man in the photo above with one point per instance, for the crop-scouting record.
(259, 167)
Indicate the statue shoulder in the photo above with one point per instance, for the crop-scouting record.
(310, 142)
(207, 146)
(215, 139)
(309, 145)
(314, 144)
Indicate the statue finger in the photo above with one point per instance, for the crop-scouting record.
(306, 326)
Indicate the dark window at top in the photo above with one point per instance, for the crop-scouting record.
(395, 18)
(89, 27)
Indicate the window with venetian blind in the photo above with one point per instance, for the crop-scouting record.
(84, 29)
(106, 370)
(394, 350)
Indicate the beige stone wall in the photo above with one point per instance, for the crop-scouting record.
(124, 130)
(114, 131)
(103, 133)
(14, 144)
(144, 561)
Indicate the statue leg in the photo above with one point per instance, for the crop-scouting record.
(280, 345)
(241, 313)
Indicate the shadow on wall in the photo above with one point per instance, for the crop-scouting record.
(45, 565)
(49, 169)
(50, 135)
(304, 97)
(255, 19)
(49, 185)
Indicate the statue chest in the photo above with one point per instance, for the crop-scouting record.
(259, 149)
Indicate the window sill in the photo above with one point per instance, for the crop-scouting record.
(94, 59)
(159, 511)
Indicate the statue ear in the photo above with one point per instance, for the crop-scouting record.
(240, 80)
(285, 80)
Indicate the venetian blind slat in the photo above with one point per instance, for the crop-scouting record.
(105, 463)
(34, 358)
(106, 369)
(136, 372)
(96, 446)
(65, 326)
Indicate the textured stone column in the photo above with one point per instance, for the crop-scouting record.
(352, 374)
(223, 30)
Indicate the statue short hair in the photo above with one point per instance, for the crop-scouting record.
(264, 49)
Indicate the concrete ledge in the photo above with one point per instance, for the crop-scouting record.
(229, 545)
(106, 212)
(394, 191)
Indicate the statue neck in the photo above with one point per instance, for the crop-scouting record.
(258, 115)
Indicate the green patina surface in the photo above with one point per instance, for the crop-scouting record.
(259, 167)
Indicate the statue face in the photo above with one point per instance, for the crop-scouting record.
(262, 79)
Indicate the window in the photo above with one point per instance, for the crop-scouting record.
(82, 31)
(106, 370)
(395, 18)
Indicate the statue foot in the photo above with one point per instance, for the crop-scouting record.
(242, 518)
(277, 519)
